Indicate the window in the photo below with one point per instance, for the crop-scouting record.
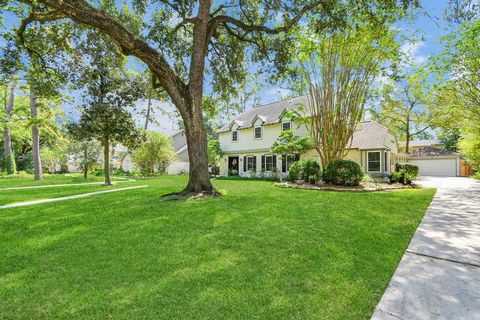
(268, 163)
(257, 132)
(251, 163)
(287, 160)
(235, 136)
(374, 161)
(286, 125)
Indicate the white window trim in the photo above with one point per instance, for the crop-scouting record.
(380, 161)
(231, 136)
(287, 166)
(253, 164)
(261, 132)
(286, 121)
(271, 156)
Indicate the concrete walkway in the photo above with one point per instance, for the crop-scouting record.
(439, 274)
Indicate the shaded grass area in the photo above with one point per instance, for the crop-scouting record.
(47, 179)
(23, 195)
(258, 252)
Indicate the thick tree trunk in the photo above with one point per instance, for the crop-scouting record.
(106, 162)
(37, 163)
(10, 165)
(199, 180)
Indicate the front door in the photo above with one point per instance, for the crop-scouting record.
(233, 166)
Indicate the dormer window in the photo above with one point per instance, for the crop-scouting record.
(286, 125)
(257, 132)
(234, 136)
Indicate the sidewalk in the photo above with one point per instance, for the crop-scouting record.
(439, 274)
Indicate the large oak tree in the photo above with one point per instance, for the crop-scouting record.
(186, 42)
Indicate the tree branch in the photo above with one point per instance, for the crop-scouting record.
(82, 12)
(224, 19)
(40, 17)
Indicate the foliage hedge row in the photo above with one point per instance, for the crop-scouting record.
(404, 173)
(304, 170)
(343, 172)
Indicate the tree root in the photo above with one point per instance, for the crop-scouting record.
(189, 195)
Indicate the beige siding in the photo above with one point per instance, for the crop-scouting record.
(246, 141)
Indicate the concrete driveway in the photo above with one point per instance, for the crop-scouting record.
(439, 274)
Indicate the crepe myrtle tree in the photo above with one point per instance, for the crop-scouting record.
(338, 71)
(182, 41)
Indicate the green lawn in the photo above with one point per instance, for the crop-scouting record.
(48, 179)
(258, 252)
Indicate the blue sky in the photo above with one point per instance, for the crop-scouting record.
(427, 26)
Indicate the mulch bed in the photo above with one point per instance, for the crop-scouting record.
(364, 186)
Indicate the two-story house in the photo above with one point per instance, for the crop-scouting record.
(246, 142)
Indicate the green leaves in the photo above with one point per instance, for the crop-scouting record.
(289, 143)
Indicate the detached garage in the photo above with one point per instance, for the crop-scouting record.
(437, 166)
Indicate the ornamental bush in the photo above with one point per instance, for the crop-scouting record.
(343, 172)
(404, 173)
(304, 170)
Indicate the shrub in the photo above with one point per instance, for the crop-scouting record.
(476, 175)
(304, 170)
(404, 173)
(343, 172)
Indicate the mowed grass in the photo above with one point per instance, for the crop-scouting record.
(23, 195)
(258, 252)
(47, 180)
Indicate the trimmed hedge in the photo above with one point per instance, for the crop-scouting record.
(304, 170)
(404, 173)
(343, 172)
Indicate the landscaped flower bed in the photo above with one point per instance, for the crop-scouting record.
(364, 186)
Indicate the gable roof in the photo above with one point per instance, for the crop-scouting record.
(269, 113)
(369, 135)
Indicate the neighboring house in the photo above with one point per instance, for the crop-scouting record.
(180, 164)
(433, 160)
(246, 142)
(419, 144)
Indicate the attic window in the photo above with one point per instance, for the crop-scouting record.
(286, 125)
(257, 132)
(235, 136)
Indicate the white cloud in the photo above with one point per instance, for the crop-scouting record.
(276, 94)
(412, 52)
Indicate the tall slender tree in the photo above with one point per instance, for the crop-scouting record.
(9, 157)
(182, 40)
(338, 71)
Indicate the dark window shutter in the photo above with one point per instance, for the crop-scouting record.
(254, 163)
(274, 162)
(244, 164)
(263, 163)
(284, 163)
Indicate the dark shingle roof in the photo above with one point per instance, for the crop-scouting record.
(432, 152)
(269, 113)
(368, 134)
